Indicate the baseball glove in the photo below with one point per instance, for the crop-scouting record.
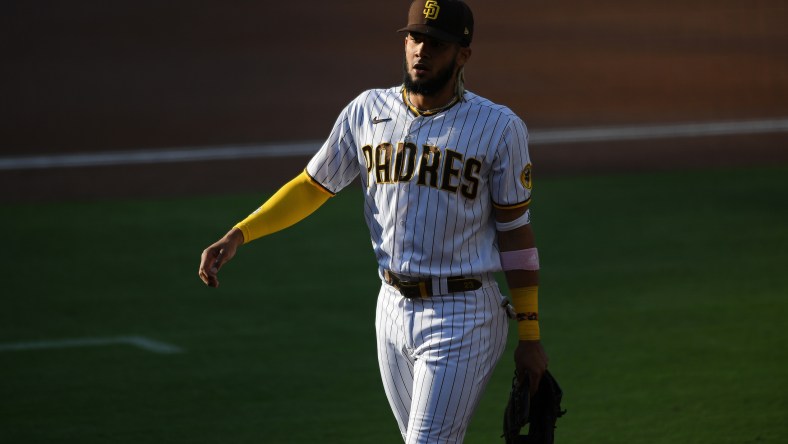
(541, 411)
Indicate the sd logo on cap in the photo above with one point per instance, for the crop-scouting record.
(447, 20)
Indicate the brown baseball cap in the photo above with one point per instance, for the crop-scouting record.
(448, 20)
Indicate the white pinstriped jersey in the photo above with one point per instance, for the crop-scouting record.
(430, 182)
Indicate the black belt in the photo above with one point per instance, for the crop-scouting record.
(422, 288)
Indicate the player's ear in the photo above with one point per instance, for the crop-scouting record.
(463, 55)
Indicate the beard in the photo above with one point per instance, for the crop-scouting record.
(428, 87)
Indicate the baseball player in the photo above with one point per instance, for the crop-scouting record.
(446, 179)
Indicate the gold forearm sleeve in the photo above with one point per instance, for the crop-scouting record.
(292, 203)
(526, 305)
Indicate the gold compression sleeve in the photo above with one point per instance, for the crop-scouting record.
(292, 203)
(526, 305)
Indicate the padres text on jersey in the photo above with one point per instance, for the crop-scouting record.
(432, 166)
(450, 168)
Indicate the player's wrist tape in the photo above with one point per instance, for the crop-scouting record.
(527, 259)
(526, 304)
(524, 219)
(292, 203)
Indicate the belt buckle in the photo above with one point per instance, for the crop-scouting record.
(392, 280)
(424, 288)
(406, 286)
(418, 286)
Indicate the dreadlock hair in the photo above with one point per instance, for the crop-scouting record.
(459, 88)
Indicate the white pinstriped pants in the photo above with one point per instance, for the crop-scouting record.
(436, 356)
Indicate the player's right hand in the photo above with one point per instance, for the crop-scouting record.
(218, 254)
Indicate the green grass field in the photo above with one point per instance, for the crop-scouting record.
(663, 302)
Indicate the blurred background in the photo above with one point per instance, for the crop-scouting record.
(135, 133)
(97, 76)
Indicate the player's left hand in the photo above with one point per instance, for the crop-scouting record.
(530, 359)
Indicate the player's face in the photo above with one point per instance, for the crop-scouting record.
(431, 65)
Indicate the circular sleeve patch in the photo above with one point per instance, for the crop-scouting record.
(526, 178)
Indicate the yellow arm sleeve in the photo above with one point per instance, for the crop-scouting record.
(526, 305)
(292, 203)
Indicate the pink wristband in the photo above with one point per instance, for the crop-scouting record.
(527, 259)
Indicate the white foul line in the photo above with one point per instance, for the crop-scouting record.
(136, 341)
(307, 148)
(167, 155)
(610, 134)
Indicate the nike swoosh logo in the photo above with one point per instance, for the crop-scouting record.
(376, 120)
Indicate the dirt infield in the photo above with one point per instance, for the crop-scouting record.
(129, 75)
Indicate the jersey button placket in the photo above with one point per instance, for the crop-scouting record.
(406, 238)
(404, 234)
